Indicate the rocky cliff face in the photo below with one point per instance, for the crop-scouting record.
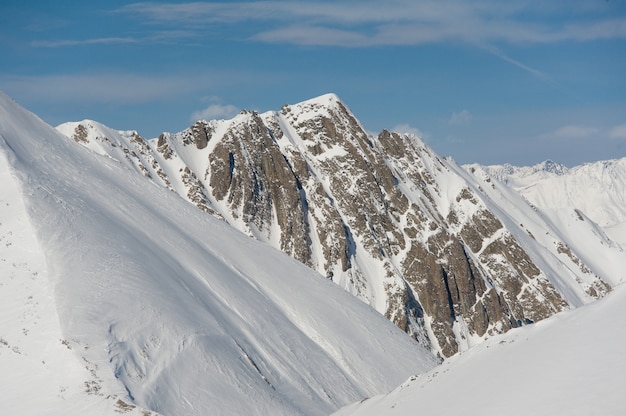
(429, 245)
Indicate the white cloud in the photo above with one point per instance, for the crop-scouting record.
(124, 88)
(72, 42)
(482, 23)
(398, 22)
(314, 35)
(100, 88)
(497, 52)
(408, 129)
(215, 111)
(574, 132)
(462, 117)
(160, 37)
(618, 132)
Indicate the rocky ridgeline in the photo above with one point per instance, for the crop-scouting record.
(384, 217)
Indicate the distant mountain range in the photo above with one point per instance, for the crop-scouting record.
(597, 189)
(155, 287)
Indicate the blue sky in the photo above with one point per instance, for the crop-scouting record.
(484, 81)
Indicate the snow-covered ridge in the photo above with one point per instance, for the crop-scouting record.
(96, 136)
(547, 168)
(570, 364)
(414, 235)
(597, 189)
(162, 307)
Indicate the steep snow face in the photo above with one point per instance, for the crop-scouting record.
(162, 306)
(570, 364)
(41, 373)
(596, 189)
(446, 255)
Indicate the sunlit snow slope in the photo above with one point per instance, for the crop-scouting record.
(138, 295)
(597, 189)
(40, 374)
(570, 364)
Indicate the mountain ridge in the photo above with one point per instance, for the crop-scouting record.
(164, 309)
(383, 216)
(153, 287)
(595, 188)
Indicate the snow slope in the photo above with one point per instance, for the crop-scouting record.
(39, 372)
(570, 364)
(166, 307)
(597, 189)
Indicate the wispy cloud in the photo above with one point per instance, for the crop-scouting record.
(408, 129)
(534, 72)
(105, 88)
(206, 12)
(587, 133)
(570, 132)
(399, 22)
(487, 24)
(163, 36)
(618, 132)
(77, 42)
(462, 117)
(368, 23)
(604, 29)
(314, 35)
(215, 111)
(575, 132)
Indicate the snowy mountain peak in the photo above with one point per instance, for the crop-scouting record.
(384, 217)
(97, 136)
(324, 100)
(552, 167)
(325, 105)
(505, 173)
(151, 293)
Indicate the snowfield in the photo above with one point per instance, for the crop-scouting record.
(570, 364)
(118, 295)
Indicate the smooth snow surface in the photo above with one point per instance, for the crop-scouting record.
(40, 371)
(570, 364)
(160, 305)
(598, 189)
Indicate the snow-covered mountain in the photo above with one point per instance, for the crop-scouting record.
(570, 364)
(118, 296)
(598, 190)
(449, 255)
(129, 281)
